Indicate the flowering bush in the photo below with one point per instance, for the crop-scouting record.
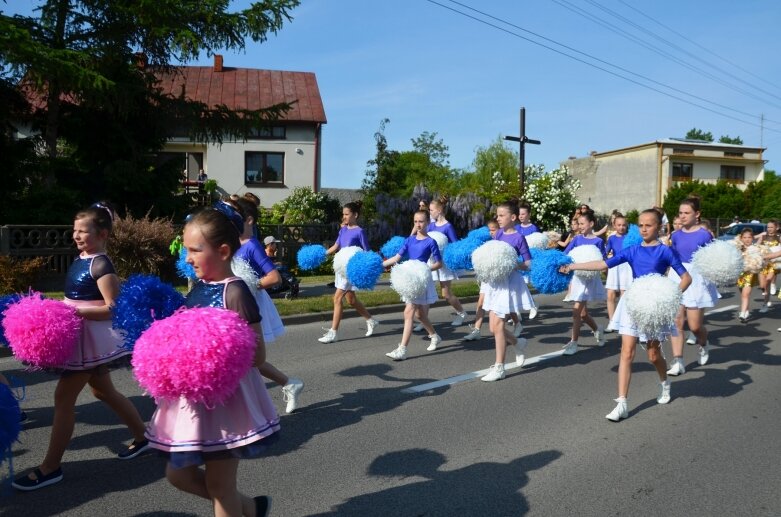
(552, 198)
(304, 205)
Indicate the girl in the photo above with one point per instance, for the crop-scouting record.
(508, 296)
(650, 257)
(244, 425)
(701, 294)
(444, 275)
(474, 334)
(618, 277)
(581, 291)
(419, 247)
(253, 253)
(767, 277)
(525, 227)
(567, 237)
(91, 286)
(350, 234)
(747, 279)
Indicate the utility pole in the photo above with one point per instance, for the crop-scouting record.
(522, 140)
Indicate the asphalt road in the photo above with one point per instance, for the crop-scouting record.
(365, 443)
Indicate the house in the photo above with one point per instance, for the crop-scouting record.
(638, 177)
(273, 161)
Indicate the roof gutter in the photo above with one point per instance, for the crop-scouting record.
(316, 175)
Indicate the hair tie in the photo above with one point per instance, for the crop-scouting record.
(104, 207)
(233, 215)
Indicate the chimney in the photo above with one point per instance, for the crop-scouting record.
(218, 62)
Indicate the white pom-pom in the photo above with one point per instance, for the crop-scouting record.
(537, 240)
(410, 279)
(774, 249)
(342, 257)
(440, 238)
(652, 302)
(494, 261)
(585, 253)
(553, 238)
(719, 262)
(752, 260)
(242, 269)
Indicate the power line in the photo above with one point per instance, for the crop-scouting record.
(575, 58)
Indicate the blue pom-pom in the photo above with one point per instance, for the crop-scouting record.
(364, 269)
(535, 252)
(392, 247)
(5, 302)
(633, 237)
(458, 255)
(9, 423)
(143, 299)
(311, 256)
(544, 274)
(483, 234)
(183, 269)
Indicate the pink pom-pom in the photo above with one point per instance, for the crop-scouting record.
(42, 332)
(199, 354)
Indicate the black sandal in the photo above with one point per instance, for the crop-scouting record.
(27, 484)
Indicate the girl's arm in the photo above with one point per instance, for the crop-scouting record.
(594, 265)
(393, 260)
(271, 279)
(565, 242)
(524, 265)
(108, 285)
(603, 230)
(333, 249)
(260, 348)
(686, 281)
(436, 265)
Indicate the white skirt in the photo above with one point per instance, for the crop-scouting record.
(700, 294)
(623, 324)
(341, 282)
(512, 295)
(444, 274)
(270, 322)
(586, 289)
(619, 278)
(428, 297)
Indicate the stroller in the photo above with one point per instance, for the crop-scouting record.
(288, 288)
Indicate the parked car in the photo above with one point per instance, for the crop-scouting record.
(733, 232)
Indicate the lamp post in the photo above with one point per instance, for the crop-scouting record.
(523, 140)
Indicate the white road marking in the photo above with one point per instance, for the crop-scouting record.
(722, 309)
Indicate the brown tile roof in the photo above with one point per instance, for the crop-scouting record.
(248, 88)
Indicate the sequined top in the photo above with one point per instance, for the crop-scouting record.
(81, 282)
(231, 293)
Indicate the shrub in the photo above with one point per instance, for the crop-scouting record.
(17, 275)
(142, 246)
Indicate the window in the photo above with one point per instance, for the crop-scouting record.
(683, 171)
(268, 133)
(679, 150)
(264, 168)
(733, 154)
(733, 173)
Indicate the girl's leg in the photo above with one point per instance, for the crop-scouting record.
(657, 359)
(188, 479)
(577, 320)
(479, 312)
(677, 341)
(587, 319)
(409, 315)
(269, 371)
(612, 297)
(451, 298)
(501, 335)
(104, 390)
(628, 347)
(421, 311)
(696, 319)
(68, 388)
(357, 305)
(745, 295)
(220, 477)
(338, 309)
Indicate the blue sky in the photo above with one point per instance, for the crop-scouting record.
(427, 68)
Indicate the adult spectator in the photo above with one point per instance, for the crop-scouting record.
(202, 176)
(735, 221)
(270, 243)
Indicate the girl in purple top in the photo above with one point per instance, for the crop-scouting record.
(583, 290)
(700, 294)
(350, 234)
(510, 295)
(418, 246)
(618, 277)
(649, 257)
(525, 227)
(444, 275)
(253, 253)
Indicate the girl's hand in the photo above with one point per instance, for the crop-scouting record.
(564, 269)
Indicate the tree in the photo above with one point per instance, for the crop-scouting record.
(698, 134)
(726, 139)
(91, 71)
(720, 200)
(494, 172)
(552, 198)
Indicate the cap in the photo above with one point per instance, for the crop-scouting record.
(270, 239)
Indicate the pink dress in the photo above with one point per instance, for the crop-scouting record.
(243, 426)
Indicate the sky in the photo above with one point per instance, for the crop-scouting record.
(428, 68)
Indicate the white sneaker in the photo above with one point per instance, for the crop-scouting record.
(692, 339)
(532, 313)
(418, 328)
(743, 317)
(704, 352)
(496, 373)
(599, 335)
(763, 309)
(677, 367)
(459, 319)
(570, 348)
(517, 329)
(371, 324)
(329, 337)
(473, 335)
(290, 393)
(398, 354)
(773, 288)
(435, 340)
(664, 392)
(520, 346)
(619, 412)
